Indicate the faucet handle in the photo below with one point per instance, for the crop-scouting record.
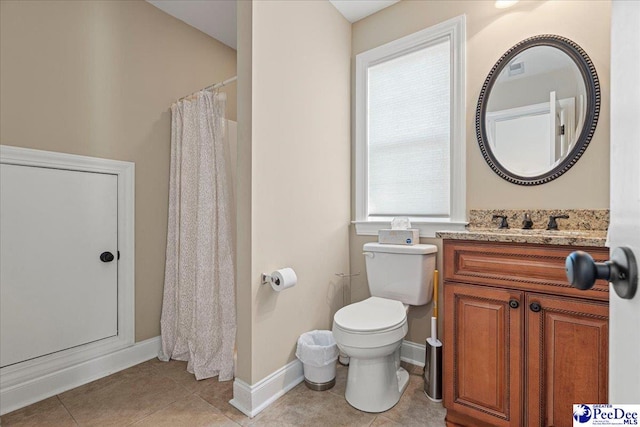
(553, 224)
(527, 223)
(503, 221)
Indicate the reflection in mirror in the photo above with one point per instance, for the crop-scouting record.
(535, 110)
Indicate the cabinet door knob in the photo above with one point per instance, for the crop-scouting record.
(106, 257)
(514, 303)
(621, 271)
(535, 307)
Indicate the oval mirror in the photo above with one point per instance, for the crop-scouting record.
(537, 110)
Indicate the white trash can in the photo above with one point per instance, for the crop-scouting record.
(318, 352)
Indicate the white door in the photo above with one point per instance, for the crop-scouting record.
(523, 143)
(55, 291)
(554, 126)
(624, 230)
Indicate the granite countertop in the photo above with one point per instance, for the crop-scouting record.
(584, 227)
(561, 237)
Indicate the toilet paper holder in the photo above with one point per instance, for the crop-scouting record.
(267, 279)
(281, 279)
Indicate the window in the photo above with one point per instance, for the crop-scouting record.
(410, 135)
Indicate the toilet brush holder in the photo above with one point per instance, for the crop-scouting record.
(433, 370)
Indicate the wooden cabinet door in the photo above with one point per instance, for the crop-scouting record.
(483, 355)
(567, 357)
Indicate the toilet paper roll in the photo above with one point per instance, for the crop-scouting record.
(283, 279)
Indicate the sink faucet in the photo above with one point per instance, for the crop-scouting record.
(553, 225)
(527, 223)
(503, 221)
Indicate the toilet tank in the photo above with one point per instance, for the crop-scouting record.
(400, 272)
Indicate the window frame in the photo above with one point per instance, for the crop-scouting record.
(453, 29)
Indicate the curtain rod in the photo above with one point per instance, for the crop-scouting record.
(213, 86)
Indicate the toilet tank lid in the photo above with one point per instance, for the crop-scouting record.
(400, 249)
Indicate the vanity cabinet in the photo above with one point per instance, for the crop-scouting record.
(567, 357)
(521, 346)
(483, 357)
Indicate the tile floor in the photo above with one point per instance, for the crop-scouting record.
(165, 394)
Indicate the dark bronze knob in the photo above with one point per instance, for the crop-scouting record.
(621, 271)
(106, 257)
(535, 307)
(514, 303)
(583, 271)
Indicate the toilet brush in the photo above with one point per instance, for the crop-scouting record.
(433, 357)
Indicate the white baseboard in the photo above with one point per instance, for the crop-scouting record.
(253, 399)
(20, 395)
(413, 353)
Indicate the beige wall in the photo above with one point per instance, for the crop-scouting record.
(96, 78)
(244, 294)
(300, 172)
(490, 32)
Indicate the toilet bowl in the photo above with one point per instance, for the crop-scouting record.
(370, 333)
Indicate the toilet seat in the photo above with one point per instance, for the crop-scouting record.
(372, 323)
(372, 315)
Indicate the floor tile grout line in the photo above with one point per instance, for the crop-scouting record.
(209, 404)
(216, 408)
(200, 392)
(157, 370)
(189, 393)
(185, 397)
(67, 409)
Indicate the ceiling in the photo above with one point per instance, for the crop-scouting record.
(355, 10)
(217, 18)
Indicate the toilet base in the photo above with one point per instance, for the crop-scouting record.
(375, 385)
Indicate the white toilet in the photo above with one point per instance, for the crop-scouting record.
(370, 332)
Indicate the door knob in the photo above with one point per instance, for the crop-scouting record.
(514, 303)
(106, 257)
(621, 271)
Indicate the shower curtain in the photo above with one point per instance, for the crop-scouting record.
(198, 321)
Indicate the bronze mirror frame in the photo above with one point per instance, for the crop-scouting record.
(592, 85)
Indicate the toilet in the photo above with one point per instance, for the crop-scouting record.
(370, 332)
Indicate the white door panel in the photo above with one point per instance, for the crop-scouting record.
(624, 230)
(55, 293)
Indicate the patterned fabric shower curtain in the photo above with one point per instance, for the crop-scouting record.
(198, 311)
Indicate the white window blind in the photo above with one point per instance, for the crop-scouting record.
(409, 133)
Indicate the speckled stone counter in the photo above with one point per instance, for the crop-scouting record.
(584, 227)
(579, 219)
(542, 237)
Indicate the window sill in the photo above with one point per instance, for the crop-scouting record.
(427, 228)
